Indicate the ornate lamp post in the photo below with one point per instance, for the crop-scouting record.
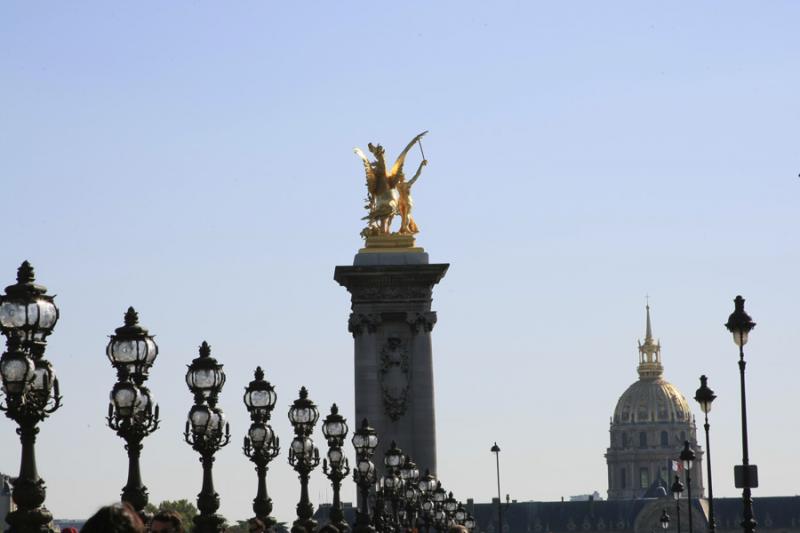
(304, 457)
(687, 457)
(677, 489)
(207, 432)
(496, 451)
(439, 495)
(335, 430)
(132, 413)
(426, 485)
(450, 506)
(365, 440)
(705, 397)
(393, 460)
(460, 516)
(261, 444)
(27, 316)
(410, 475)
(746, 475)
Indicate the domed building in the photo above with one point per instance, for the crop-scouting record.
(650, 424)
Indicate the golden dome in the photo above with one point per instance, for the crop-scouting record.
(652, 400)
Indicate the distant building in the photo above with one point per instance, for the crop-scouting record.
(774, 515)
(650, 424)
(595, 496)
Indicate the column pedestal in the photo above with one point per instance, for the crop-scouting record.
(391, 323)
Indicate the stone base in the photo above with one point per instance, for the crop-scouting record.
(401, 242)
(402, 256)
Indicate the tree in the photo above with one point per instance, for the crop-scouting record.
(184, 508)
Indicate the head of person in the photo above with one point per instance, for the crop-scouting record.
(457, 529)
(255, 525)
(116, 518)
(166, 522)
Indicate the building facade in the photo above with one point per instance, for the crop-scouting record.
(651, 422)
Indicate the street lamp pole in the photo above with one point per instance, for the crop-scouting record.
(27, 316)
(261, 444)
(677, 489)
(746, 476)
(204, 432)
(705, 397)
(335, 430)
(304, 457)
(364, 440)
(496, 452)
(132, 412)
(687, 457)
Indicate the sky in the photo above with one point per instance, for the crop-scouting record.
(194, 160)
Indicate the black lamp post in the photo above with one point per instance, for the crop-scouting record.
(677, 489)
(426, 485)
(207, 432)
(334, 427)
(496, 452)
(364, 440)
(304, 457)
(450, 506)
(687, 457)
(664, 520)
(410, 475)
(393, 460)
(438, 496)
(746, 475)
(27, 316)
(132, 413)
(261, 444)
(705, 397)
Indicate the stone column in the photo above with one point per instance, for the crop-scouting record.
(391, 323)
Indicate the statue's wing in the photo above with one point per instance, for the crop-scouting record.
(397, 169)
(371, 181)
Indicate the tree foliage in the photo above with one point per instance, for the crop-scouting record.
(184, 508)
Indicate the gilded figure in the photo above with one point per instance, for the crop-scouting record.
(388, 193)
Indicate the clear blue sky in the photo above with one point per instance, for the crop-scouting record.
(194, 159)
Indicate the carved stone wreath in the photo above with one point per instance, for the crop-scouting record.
(394, 377)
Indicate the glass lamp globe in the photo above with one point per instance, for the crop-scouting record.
(439, 494)
(200, 419)
(131, 348)
(664, 519)
(303, 447)
(394, 457)
(704, 395)
(365, 439)
(739, 323)
(427, 483)
(125, 396)
(260, 435)
(335, 457)
(450, 504)
(303, 414)
(409, 471)
(26, 311)
(16, 369)
(460, 514)
(259, 395)
(687, 456)
(334, 427)
(469, 522)
(204, 376)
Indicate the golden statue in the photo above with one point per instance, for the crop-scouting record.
(389, 194)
